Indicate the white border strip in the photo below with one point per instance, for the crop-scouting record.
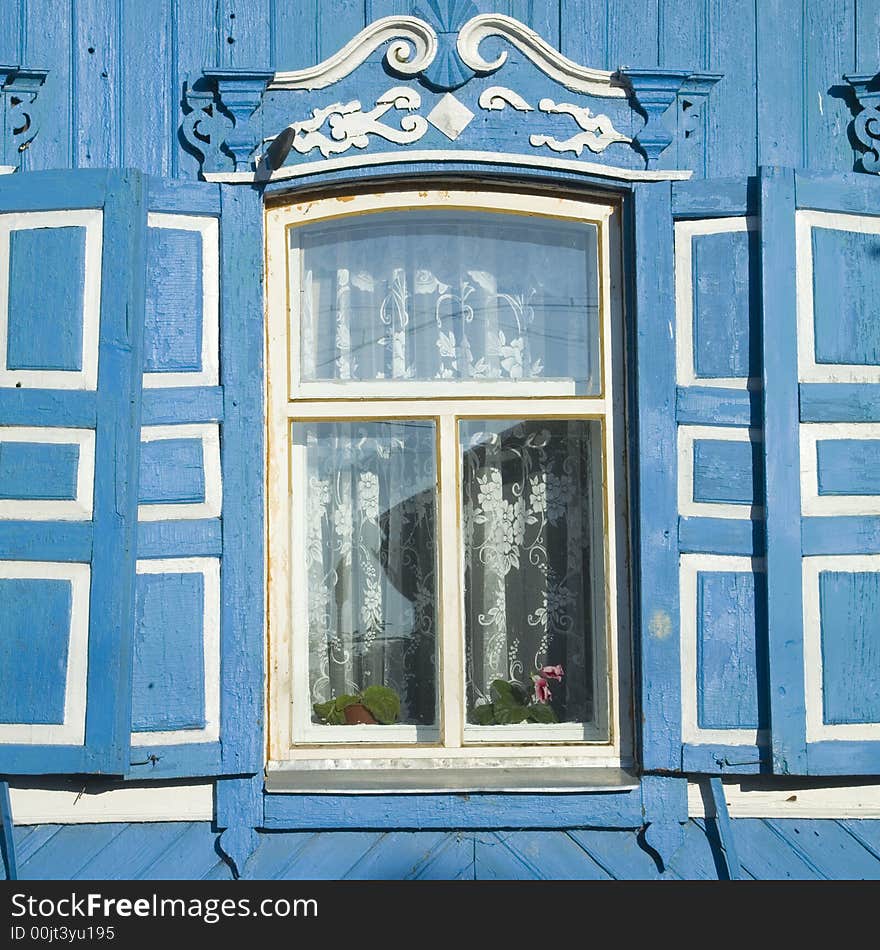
(73, 730)
(209, 229)
(685, 232)
(687, 436)
(809, 371)
(209, 568)
(8, 169)
(92, 221)
(690, 566)
(479, 158)
(209, 434)
(817, 729)
(775, 798)
(49, 806)
(38, 509)
(812, 503)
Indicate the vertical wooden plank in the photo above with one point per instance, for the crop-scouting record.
(541, 15)
(336, 24)
(682, 26)
(243, 33)
(194, 47)
(148, 114)
(583, 32)
(781, 467)
(781, 54)
(96, 52)
(11, 24)
(657, 558)
(633, 33)
(830, 47)
(50, 45)
(867, 36)
(6, 837)
(730, 49)
(242, 621)
(294, 41)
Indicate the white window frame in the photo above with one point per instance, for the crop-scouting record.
(292, 739)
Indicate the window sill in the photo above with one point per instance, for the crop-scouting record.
(290, 779)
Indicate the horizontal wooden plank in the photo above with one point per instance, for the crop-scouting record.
(840, 402)
(716, 759)
(183, 404)
(721, 536)
(197, 538)
(183, 197)
(45, 407)
(850, 193)
(54, 190)
(184, 760)
(68, 541)
(844, 534)
(606, 810)
(708, 405)
(842, 757)
(715, 198)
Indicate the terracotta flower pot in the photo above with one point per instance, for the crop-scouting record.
(357, 714)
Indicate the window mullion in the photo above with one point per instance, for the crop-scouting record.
(451, 634)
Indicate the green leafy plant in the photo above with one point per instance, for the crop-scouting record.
(511, 703)
(383, 704)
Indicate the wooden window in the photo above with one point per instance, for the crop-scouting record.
(447, 485)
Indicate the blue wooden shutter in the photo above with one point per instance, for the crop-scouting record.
(821, 283)
(71, 328)
(198, 652)
(700, 574)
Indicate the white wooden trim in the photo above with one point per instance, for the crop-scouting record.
(444, 157)
(209, 229)
(36, 509)
(817, 729)
(784, 798)
(450, 575)
(685, 232)
(53, 806)
(8, 169)
(209, 434)
(690, 566)
(809, 371)
(72, 730)
(209, 568)
(687, 436)
(812, 503)
(87, 377)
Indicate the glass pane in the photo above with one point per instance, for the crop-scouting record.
(534, 577)
(370, 510)
(449, 295)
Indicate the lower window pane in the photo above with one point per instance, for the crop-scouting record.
(370, 510)
(532, 513)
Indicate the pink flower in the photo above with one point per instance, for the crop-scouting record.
(552, 672)
(542, 690)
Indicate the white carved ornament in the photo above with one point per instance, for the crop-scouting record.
(413, 46)
(598, 132)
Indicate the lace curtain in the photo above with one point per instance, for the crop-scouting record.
(533, 556)
(432, 296)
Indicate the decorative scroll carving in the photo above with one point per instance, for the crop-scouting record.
(412, 48)
(19, 86)
(866, 125)
(598, 132)
(351, 127)
(497, 97)
(593, 82)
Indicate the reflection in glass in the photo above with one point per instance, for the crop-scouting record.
(371, 553)
(533, 548)
(449, 295)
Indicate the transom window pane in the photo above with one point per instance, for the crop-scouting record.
(370, 510)
(449, 295)
(534, 571)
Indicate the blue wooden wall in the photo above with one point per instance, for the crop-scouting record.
(118, 66)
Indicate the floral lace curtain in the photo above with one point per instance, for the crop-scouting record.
(533, 557)
(435, 296)
(371, 556)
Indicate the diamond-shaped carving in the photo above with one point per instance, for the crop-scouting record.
(450, 116)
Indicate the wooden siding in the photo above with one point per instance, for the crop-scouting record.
(768, 849)
(117, 67)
